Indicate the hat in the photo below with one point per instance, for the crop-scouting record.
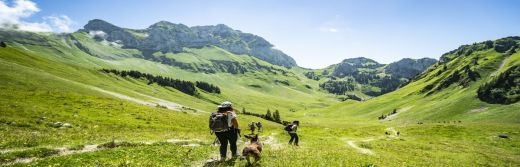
(225, 104)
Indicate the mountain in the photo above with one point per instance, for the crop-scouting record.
(168, 37)
(163, 40)
(82, 99)
(360, 78)
(474, 82)
(408, 68)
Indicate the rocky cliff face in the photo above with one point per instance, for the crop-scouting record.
(370, 77)
(409, 68)
(168, 37)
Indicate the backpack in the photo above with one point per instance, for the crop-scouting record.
(288, 127)
(218, 122)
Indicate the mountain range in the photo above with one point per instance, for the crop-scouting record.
(112, 96)
(165, 37)
(168, 37)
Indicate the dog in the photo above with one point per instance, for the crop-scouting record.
(254, 149)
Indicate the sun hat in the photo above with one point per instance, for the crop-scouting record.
(225, 104)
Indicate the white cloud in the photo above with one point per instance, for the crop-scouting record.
(60, 23)
(34, 27)
(11, 17)
(328, 29)
(334, 25)
(100, 34)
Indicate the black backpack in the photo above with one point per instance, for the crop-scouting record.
(288, 127)
(218, 122)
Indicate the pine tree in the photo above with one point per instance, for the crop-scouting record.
(276, 116)
(268, 115)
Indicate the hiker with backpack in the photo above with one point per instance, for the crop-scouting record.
(252, 127)
(291, 129)
(224, 124)
(259, 126)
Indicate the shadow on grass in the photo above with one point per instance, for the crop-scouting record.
(229, 162)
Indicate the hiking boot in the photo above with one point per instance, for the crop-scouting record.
(222, 159)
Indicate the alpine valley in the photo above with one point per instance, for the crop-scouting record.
(111, 96)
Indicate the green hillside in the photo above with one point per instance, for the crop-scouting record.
(60, 109)
(362, 78)
(448, 90)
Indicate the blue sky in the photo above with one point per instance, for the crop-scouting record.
(315, 33)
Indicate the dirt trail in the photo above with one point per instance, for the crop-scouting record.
(352, 143)
(272, 142)
(269, 142)
(500, 67)
(153, 102)
(361, 150)
(482, 109)
(62, 151)
(398, 112)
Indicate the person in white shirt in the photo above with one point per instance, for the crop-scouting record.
(230, 135)
(293, 134)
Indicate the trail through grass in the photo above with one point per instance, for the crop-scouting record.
(64, 150)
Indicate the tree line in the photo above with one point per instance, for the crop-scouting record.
(207, 87)
(187, 87)
(274, 117)
(339, 87)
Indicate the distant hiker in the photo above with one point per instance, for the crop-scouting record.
(291, 129)
(259, 126)
(252, 127)
(224, 124)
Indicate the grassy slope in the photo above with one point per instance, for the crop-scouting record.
(42, 82)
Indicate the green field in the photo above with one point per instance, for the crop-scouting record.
(122, 121)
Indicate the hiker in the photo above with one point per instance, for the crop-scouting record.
(292, 128)
(259, 126)
(224, 124)
(252, 127)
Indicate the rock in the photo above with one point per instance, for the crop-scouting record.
(409, 68)
(57, 124)
(503, 136)
(66, 125)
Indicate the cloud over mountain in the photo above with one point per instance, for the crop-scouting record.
(12, 17)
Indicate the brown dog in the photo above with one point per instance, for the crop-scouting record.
(253, 149)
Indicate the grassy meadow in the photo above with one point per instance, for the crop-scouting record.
(119, 121)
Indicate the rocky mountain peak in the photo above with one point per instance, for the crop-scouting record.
(165, 36)
(409, 68)
(100, 25)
